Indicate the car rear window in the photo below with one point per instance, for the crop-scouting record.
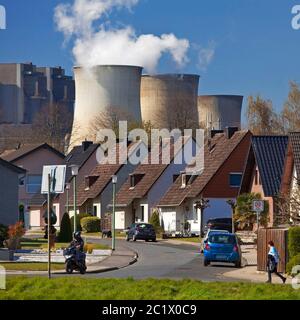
(222, 239)
(145, 226)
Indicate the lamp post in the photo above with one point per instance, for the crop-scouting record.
(233, 205)
(68, 187)
(74, 171)
(202, 204)
(113, 226)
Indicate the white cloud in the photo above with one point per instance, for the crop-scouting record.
(105, 45)
(206, 55)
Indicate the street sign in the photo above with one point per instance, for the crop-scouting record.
(258, 205)
(58, 176)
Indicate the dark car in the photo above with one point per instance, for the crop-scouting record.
(141, 231)
(220, 224)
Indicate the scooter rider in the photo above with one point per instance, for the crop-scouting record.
(78, 243)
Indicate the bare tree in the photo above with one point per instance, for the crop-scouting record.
(288, 206)
(291, 110)
(262, 119)
(52, 125)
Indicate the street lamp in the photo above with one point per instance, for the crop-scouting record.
(114, 180)
(68, 187)
(202, 204)
(233, 205)
(74, 171)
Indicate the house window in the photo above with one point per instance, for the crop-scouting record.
(34, 183)
(142, 213)
(235, 179)
(95, 211)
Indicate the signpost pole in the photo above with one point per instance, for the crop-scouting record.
(49, 229)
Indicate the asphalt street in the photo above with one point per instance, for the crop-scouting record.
(165, 260)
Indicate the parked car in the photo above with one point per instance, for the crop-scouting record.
(208, 233)
(219, 224)
(222, 247)
(141, 231)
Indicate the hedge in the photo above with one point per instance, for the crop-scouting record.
(78, 219)
(294, 261)
(294, 241)
(90, 224)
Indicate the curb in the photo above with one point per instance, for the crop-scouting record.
(60, 272)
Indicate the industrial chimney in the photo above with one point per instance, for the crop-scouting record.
(166, 96)
(100, 88)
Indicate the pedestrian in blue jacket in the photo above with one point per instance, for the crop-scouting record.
(273, 260)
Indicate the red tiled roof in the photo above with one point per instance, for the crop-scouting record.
(150, 172)
(221, 149)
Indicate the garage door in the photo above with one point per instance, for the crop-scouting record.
(35, 218)
(120, 220)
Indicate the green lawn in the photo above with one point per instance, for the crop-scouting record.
(119, 289)
(42, 244)
(31, 266)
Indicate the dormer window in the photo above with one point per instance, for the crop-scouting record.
(183, 180)
(89, 181)
(135, 179)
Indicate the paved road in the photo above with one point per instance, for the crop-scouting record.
(165, 260)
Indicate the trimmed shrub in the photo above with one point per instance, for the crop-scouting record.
(154, 220)
(78, 219)
(3, 234)
(90, 224)
(65, 233)
(294, 241)
(295, 261)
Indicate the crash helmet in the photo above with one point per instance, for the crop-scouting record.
(77, 235)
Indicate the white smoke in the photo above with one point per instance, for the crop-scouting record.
(106, 45)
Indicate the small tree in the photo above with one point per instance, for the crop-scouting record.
(154, 220)
(244, 217)
(65, 234)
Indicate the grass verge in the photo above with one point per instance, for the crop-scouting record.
(31, 266)
(150, 289)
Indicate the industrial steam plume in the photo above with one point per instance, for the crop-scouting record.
(97, 42)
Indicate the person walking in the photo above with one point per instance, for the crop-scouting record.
(273, 260)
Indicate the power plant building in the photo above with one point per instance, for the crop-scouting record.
(167, 97)
(103, 88)
(25, 89)
(220, 111)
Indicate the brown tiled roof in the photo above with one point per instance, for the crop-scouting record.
(103, 174)
(221, 149)
(150, 174)
(26, 149)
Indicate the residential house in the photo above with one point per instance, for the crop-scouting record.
(143, 189)
(95, 190)
(264, 170)
(32, 158)
(291, 173)
(10, 176)
(225, 158)
(85, 158)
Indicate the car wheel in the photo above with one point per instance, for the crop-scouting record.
(134, 238)
(127, 237)
(206, 263)
(238, 264)
(154, 239)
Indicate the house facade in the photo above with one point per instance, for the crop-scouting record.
(143, 189)
(265, 170)
(225, 158)
(32, 158)
(10, 175)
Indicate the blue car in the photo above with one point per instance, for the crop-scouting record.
(222, 247)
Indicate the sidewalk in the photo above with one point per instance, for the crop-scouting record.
(119, 259)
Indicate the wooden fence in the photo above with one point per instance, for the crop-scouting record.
(279, 237)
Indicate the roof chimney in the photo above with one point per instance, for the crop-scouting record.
(86, 144)
(213, 132)
(230, 131)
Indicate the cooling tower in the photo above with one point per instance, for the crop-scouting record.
(220, 111)
(102, 88)
(168, 100)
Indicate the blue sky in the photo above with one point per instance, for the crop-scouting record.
(256, 49)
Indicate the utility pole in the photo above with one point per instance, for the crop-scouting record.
(49, 225)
